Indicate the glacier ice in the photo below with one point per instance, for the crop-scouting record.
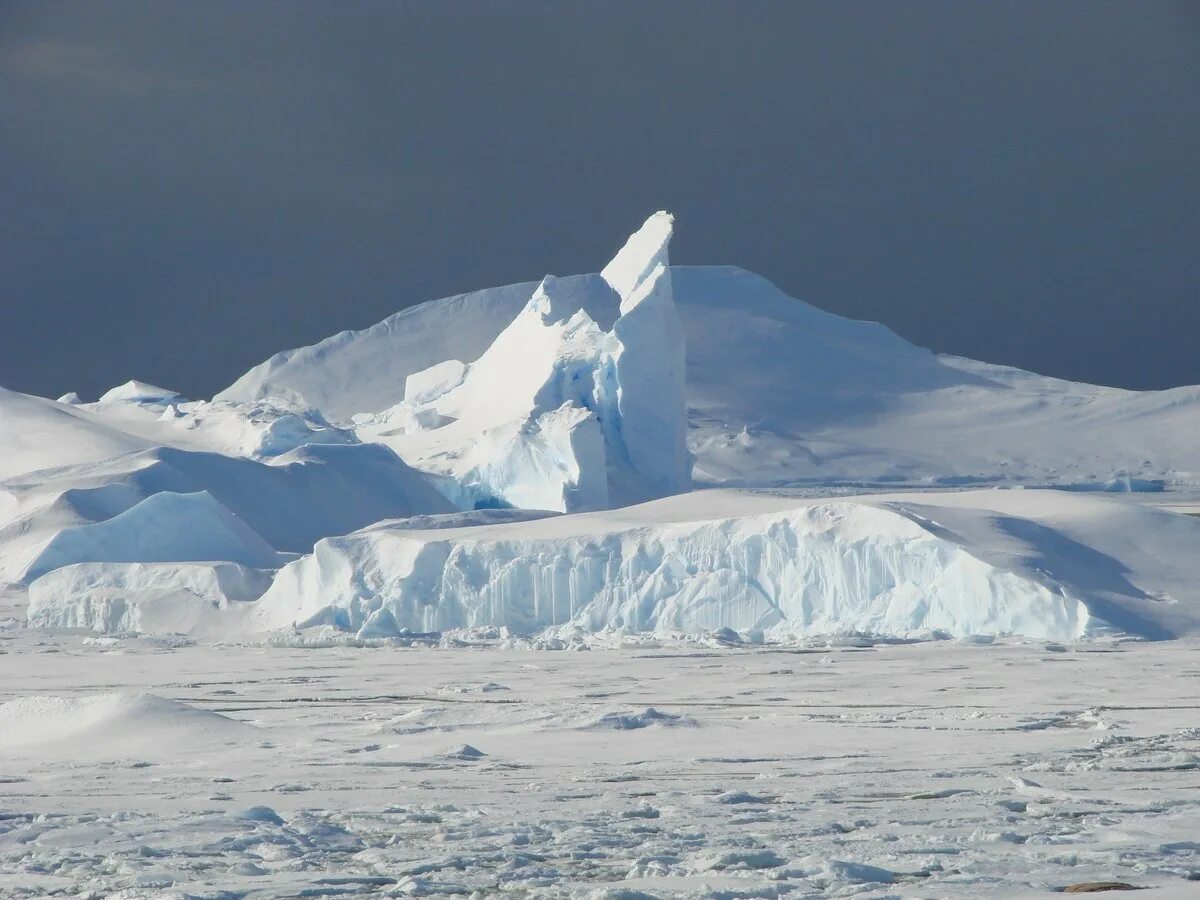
(451, 432)
(780, 392)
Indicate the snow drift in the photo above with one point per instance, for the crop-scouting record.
(112, 723)
(302, 496)
(961, 564)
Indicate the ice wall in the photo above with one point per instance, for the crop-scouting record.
(811, 569)
(157, 598)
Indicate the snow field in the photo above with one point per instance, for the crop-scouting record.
(951, 769)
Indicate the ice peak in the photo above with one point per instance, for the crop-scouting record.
(134, 391)
(645, 249)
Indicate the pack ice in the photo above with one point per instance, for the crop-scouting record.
(543, 457)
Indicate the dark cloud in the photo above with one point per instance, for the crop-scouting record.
(189, 187)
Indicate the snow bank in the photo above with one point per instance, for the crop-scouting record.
(101, 723)
(791, 568)
(365, 371)
(165, 527)
(156, 598)
(578, 403)
(39, 434)
(258, 429)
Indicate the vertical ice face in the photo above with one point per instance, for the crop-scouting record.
(650, 376)
(649, 363)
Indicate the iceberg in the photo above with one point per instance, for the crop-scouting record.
(578, 404)
(191, 598)
(1038, 564)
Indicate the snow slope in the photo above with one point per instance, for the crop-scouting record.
(36, 433)
(780, 392)
(300, 497)
(106, 723)
(165, 527)
(1040, 564)
(364, 371)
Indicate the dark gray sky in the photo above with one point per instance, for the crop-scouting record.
(186, 187)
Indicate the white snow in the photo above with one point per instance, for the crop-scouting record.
(103, 723)
(302, 496)
(165, 527)
(36, 433)
(949, 769)
(782, 393)
(139, 392)
(382, 713)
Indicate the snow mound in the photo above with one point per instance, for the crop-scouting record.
(39, 434)
(97, 723)
(156, 598)
(578, 403)
(139, 392)
(165, 527)
(258, 429)
(1058, 567)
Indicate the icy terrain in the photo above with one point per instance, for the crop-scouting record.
(141, 769)
(578, 404)
(302, 639)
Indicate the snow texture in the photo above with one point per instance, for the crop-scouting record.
(953, 769)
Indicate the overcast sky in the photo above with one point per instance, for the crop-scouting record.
(187, 188)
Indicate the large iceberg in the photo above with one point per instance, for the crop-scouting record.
(780, 392)
(1039, 564)
(577, 405)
